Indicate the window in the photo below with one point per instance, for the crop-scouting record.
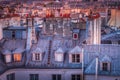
(17, 57)
(56, 77)
(76, 77)
(76, 58)
(13, 34)
(105, 66)
(34, 77)
(59, 57)
(11, 76)
(36, 56)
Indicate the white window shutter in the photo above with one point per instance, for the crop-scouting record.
(8, 58)
(109, 66)
(81, 57)
(70, 58)
(40, 57)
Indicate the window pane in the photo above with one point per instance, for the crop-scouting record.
(73, 58)
(73, 77)
(105, 66)
(11, 76)
(59, 77)
(77, 60)
(78, 56)
(34, 77)
(78, 77)
(17, 57)
(53, 77)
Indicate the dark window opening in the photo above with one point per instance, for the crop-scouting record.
(34, 77)
(56, 77)
(105, 66)
(13, 34)
(11, 76)
(76, 77)
(76, 58)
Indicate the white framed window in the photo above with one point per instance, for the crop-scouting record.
(37, 57)
(75, 58)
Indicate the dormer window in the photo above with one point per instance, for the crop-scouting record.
(8, 56)
(17, 54)
(105, 66)
(17, 57)
(59, 55)
(37, 54)
(37, 57)
(105, 63)
(76, 58)
(75, 55)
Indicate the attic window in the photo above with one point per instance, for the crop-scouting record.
(59, 57)
(105, 66)
(17, 57)
(37, 57)
(75, 58)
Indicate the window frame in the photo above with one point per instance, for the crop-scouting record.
(56, 77)
(105, 66)
(75, 77)
(75, 58)
(33, 77)
(15, 56)
(10, 76)
(36, 56)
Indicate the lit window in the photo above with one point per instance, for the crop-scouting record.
(105, 66)
(34, 77)
(76, 77)
(56, 77)
(37, 57)
(11, 76)
(59, 57)
(17, 57)
(75, 58)
(8, 58)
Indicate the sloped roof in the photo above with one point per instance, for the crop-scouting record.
(37, 50)
(7, 52)
(114, 35)
(91, 68)
(59, 50)
(106, 59)
(76, 49)
(19, 50)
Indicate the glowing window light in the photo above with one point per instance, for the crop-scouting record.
(17, 57)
